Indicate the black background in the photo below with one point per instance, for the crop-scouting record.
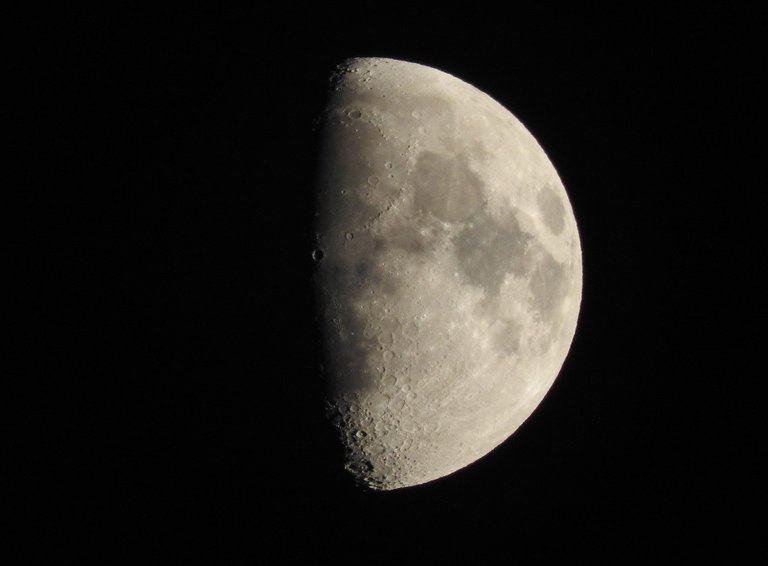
(166, 390)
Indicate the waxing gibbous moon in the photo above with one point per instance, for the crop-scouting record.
(448, 270)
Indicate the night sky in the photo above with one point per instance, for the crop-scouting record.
(166, 389)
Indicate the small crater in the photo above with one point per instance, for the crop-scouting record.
(349, 235)
(318, 255)
(411, 330)
(389, 381)
(386, 339)
(360, 467)
(355, 114)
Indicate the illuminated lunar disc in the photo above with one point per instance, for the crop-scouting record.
(448, 270)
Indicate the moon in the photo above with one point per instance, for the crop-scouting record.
(448, 271)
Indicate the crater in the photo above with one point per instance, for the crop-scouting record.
(446, 187)
(430, 109)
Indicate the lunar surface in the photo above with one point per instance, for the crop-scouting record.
(448, 270)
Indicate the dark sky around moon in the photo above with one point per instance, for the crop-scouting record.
(166, 396)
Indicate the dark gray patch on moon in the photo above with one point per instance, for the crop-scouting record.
(552, 210)
(373, 277)
(486, 251)
(549, 286)
(508, 338)
(446, 187)
(407, 238)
